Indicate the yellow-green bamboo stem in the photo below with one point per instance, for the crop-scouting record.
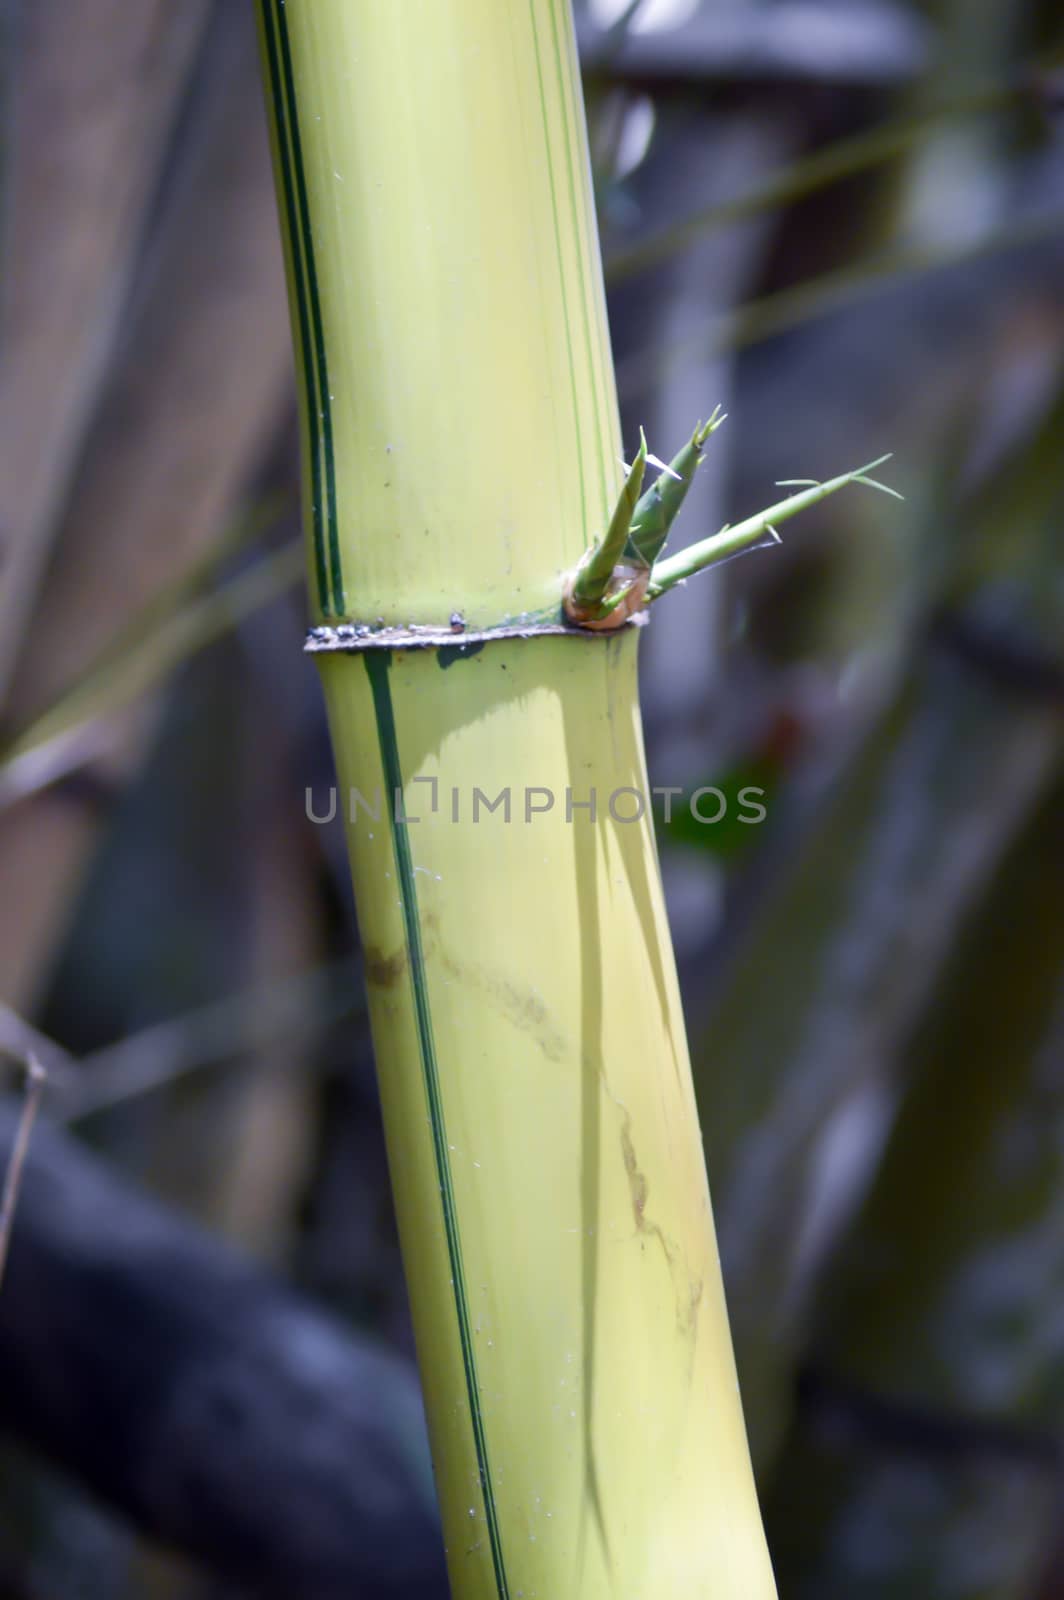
(462, 454)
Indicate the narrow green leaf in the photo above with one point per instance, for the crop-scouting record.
(594, 574)
(750, 534)
(659, 506)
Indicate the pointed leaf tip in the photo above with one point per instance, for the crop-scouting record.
(704, 429)
(588, 585)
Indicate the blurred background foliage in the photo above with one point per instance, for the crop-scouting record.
(845, 222)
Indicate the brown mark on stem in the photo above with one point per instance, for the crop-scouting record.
(688, 1289)
(523, 1007)
(383, 972)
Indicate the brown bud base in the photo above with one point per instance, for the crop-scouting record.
(624, 597)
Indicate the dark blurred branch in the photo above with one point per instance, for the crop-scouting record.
(849, 1410)
(19, 1040)
(61, 738)
(857, 935)
(242, 1024)
(1050, 1584)
(88, 128)
(33, 1088)
(17, 1582)
(937, 1336)
(842, 158)
(180, 430)
(870, 42)
(211, 1406)
(1002, 655)
(827, 292)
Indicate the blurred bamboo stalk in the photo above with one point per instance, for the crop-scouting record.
(954, 1324)
(189, 411)
(159, 640)
(90, 127)
(856, 932)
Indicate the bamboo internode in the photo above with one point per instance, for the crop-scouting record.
(462, 457)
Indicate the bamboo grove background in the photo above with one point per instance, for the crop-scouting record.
(846, 224)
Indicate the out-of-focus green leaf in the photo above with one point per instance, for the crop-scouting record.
(737, 794)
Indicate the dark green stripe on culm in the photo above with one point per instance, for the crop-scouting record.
(324, 403)
(288, 188)
(377, 666)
